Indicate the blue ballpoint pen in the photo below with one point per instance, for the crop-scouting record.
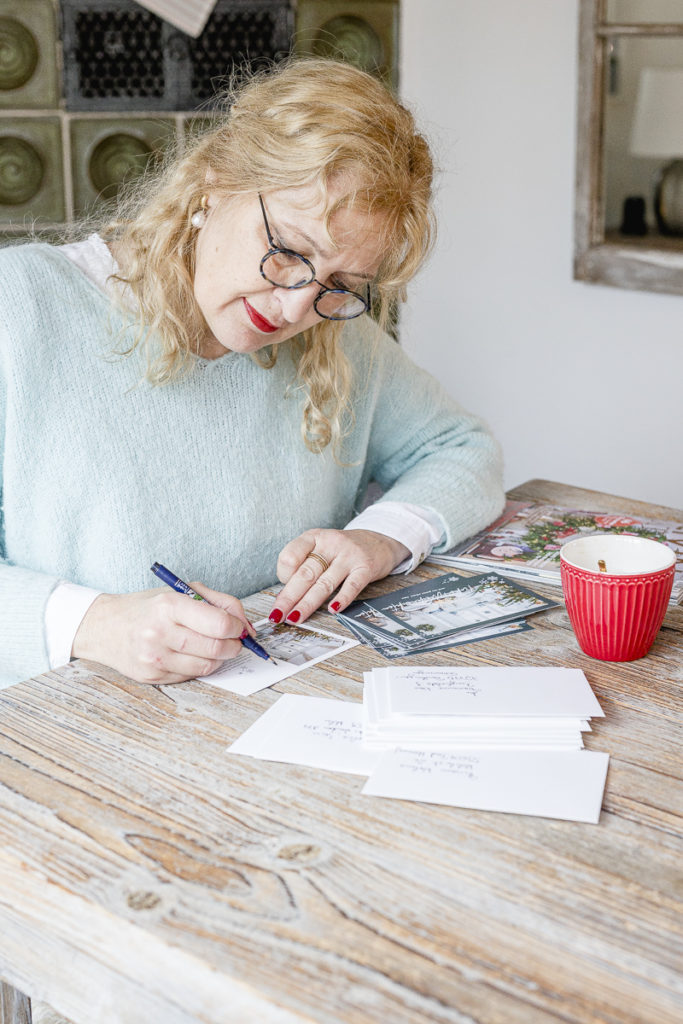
(176, 583)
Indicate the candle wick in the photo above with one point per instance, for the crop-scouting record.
(601, 565)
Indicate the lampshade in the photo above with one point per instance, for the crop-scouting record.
(658, 122)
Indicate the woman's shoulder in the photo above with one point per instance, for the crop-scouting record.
(374, 354)
(365, 344)
(31, 265)
(363, 330)
(37, 276)
(45, 300)
(27, 254)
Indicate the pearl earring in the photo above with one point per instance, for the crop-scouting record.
(198, 218)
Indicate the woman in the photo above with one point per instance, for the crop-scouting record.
(197, 385)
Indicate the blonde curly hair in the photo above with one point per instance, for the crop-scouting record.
(305, 122)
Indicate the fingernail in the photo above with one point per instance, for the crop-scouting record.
(294, 616)
(335, 606)
(275, 615)
(244, 633)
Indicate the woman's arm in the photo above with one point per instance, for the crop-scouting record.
(424, 450)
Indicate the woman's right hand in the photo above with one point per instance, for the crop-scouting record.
(158, 636)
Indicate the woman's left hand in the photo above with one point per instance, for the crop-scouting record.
(319, 562)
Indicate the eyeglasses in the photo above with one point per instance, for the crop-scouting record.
(288, 269)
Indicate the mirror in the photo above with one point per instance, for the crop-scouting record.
(629, 173)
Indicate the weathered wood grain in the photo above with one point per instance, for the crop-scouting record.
(148, 875)
(15, 1007)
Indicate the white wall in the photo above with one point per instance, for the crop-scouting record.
(581, 383)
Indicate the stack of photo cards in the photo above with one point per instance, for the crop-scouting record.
(442, 612)
(483, 708)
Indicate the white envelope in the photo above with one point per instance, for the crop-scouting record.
(566, 785)
(528, 691)
(315, 731)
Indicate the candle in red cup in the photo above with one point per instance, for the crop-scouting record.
(616, 589)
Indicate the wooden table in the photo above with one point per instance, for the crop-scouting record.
(148, 876)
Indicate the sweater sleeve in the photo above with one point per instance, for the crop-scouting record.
(23, 592)
(23, 596)
(425, 449)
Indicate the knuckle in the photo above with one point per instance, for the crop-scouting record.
(285, 569)
(362, 560)
(147, 656)
(150, 635)
(151, 664)
(353, 586)
(287, 558)
(215, 649)
(233, 607)
(307, 572)
(165, 602)
(151, 679)
(225, 624)
(326, 585)
(148, 671)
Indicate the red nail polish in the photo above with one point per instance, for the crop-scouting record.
(335, 606)
(275, 616)
(244, 633)
(294, 616)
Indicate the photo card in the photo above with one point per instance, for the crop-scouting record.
(390, 650)
(442, 608)
(294, 647)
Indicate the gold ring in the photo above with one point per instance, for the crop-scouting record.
(319, 558)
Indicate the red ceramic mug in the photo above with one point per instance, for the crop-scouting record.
(616, 588)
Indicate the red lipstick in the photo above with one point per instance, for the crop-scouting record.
(257, 320)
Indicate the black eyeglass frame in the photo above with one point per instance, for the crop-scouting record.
(275, 250)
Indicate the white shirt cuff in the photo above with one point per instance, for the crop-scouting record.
(64, 611)
(418, 528)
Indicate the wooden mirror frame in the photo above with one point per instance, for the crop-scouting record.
(643, 263)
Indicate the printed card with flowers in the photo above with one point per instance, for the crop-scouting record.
(525, 541)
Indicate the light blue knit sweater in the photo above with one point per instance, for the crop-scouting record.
(103, 474)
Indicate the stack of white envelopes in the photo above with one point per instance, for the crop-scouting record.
(463, 708)
(493, 739)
